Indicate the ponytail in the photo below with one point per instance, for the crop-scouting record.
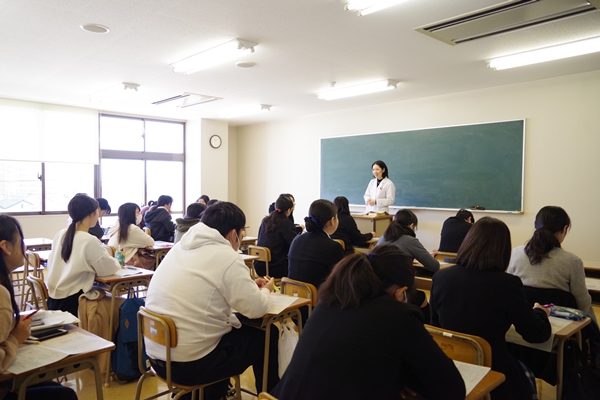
(320, 212)
(549, 221)
(80, 207)
(400, 226)
(282, 205)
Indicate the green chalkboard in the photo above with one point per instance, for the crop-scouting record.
(447, 167)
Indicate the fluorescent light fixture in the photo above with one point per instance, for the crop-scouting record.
(565, 50)
(245, 110)
(366, 7)
(121, 91)
(216, 55)
(186, 99)
(357, 90)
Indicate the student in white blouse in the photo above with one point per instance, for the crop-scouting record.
(126, 235)
(381, 192)
(77, 257)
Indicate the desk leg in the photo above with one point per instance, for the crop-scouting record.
(559, 369)
(110, 332)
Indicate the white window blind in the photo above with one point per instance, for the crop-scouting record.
(48, 133)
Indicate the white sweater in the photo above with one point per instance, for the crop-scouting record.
(136, 239)
(199, 282)
(88, 259)
(384, 195)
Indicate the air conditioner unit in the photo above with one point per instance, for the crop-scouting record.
(505, 17)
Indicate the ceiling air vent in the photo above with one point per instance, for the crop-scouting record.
(186, 100)
(505, 17)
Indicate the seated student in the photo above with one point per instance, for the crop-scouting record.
(199, 283)
(401, 233)
(192, 217)
(363, 341)
(313, 254)
(542, 263)
(478, 297)
(126, 235)
(347, 229)
(13, 329)
(455, 229)
(159, 220)
(204, 199)
(77, 257)
(104, 209)
(143, 211)
(211, 202)
(276, 232)
(299, 228)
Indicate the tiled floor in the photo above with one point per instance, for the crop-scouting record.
(83, 383)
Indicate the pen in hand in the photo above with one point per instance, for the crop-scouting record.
(25, 318)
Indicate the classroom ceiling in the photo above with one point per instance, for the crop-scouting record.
(303, 46)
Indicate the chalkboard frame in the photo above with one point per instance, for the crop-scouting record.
(514, 139)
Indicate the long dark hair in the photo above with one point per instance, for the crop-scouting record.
(548, 221)
(9, 228)
(382, 165)
(487, 246)
(282, 205)
(400, 225)
(80, 206)
(319, 213)
(126, 215)
(343, 207)
(360, 277)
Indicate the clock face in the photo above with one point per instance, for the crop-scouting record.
(215, 141)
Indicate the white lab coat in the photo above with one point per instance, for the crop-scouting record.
(384, 194)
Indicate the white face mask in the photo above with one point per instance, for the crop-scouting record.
(138, 219)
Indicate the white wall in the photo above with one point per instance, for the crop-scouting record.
(215, 162)
(562, 165)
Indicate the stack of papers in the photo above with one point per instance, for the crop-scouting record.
(472, 374)
(46, 319)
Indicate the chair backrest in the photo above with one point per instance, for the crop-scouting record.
(33, 259)
(423, 283)
(341, 242)
(546, 296)
(266, 396)
(159, 329)
(263, 254)
(39, 291)
(148, 231)
(441, 255)
(110, 250)
(301, 289)
(462, 347)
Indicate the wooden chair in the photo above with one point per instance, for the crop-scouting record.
(161, 330)
(442, 255)
(341, 242)
(39, 293)
(263, 254)
(31, 266)
(148, 231)
(462, 347)
(110, 250)
(301, 289)
(423, 283)
(265, 396)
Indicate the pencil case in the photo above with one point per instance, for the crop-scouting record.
(568, 313)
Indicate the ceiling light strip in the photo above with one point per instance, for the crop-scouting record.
(213, 56)
(357, 90)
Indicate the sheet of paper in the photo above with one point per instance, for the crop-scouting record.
(279, 303)
(32, 356)
(472, 374)
(592, 283)
(75, 343)
(556, 323)
(127, 272)
(52, 319)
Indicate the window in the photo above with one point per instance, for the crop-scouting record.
(141, 159)
(34, 187)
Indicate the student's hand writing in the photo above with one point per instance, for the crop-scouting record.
(263, 283)
(22, 331)
(541, 307)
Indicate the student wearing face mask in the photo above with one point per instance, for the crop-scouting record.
(363, 341)
(199, 283)
(126, 235)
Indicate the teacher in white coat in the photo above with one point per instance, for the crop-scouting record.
(381, 192)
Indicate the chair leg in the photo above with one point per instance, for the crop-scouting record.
(138, 388)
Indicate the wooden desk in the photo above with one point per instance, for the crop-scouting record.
(35, 244)
(247, 241)
(593, 285)
(373, 223)
(44, 255)
(68, 365)
(291, 311)
(105, 238)
(560, 337)
(159, 250)
(443, 265)
(489, 382)
(248, 260)
(116, 286)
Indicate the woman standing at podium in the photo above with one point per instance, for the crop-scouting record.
(381, 192)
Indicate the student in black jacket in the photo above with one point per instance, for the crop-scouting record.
(159, 220)
(103, 209)
(313, 254)
(276, 232)
(347, 229)
(455, 229)
(478, 297)
(298, 228)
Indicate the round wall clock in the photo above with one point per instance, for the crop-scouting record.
(215, 141)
